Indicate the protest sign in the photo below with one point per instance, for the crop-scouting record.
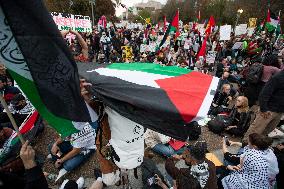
(252, 22)
(225, 32)
(237, 45)
(126, 53)
(250, 31)
(241, 29)
(143, 48)
(65, 21)
(210, 57)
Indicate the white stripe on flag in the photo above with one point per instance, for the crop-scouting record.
(137, 77)
(274, 22)
(204, 108)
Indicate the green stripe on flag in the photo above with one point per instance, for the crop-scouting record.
(151, 68)
(63, 126)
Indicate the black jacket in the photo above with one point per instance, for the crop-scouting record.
(221, 99)
(271, 97)
(34, 179)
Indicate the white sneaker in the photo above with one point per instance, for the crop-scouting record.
(63, 184)
(49, 156)
(80, 182)
(60, 174)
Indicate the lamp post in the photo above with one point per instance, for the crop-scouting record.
(239, 12)
(93, 2)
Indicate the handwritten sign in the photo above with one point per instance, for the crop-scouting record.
(241, 29)
(225, 32)
(65, 21)
(210, 57)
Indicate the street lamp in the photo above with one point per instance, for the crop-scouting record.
(93, 2)
(239, 12)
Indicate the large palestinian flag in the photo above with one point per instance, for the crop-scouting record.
(36, 56)
(161, 98)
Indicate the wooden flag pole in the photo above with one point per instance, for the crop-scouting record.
(4, 104)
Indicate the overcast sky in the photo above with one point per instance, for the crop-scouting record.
(130, 3)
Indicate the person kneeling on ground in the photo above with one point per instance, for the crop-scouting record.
(201, 172)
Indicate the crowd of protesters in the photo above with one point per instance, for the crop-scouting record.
(250, 76)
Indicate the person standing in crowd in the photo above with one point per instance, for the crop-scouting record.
(271, 104)
(105, 45)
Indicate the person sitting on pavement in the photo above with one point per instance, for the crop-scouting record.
(20, 109)
(257, 142)
(258, 166)
(221, 100)
(239, 117)
(200, 169)
(159, 143)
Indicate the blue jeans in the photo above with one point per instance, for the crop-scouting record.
(166, 150)
(77, 160)
(74, 162)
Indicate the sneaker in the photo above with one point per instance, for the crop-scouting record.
(49, 157)
(63, 184)
(97, 173)
(61, 173)
(80, 182)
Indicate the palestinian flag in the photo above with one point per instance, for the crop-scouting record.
(271, 21)
(37, 57)
(210, 25)
(27, 126)
(162, 98)
(202, 51)
(174, 26)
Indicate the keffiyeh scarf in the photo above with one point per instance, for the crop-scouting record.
(201, 173)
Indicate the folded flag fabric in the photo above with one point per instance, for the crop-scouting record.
(162, 98)
(37, 57)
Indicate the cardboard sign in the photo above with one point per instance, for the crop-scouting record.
(65, 21)
(225, 32)
(126, 52)
(210, 57)
(250, 31)
(252, 22)
(237, 45)
(241, 29)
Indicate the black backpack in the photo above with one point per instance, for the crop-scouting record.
(254, 73)
(194, 130)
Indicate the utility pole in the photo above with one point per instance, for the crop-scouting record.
(93, 2)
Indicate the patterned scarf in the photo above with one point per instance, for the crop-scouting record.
(201, 173)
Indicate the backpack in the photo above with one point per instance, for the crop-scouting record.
(218, 124)
(254, 73)
(195, 130)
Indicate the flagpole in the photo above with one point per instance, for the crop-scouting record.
(4, 104)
